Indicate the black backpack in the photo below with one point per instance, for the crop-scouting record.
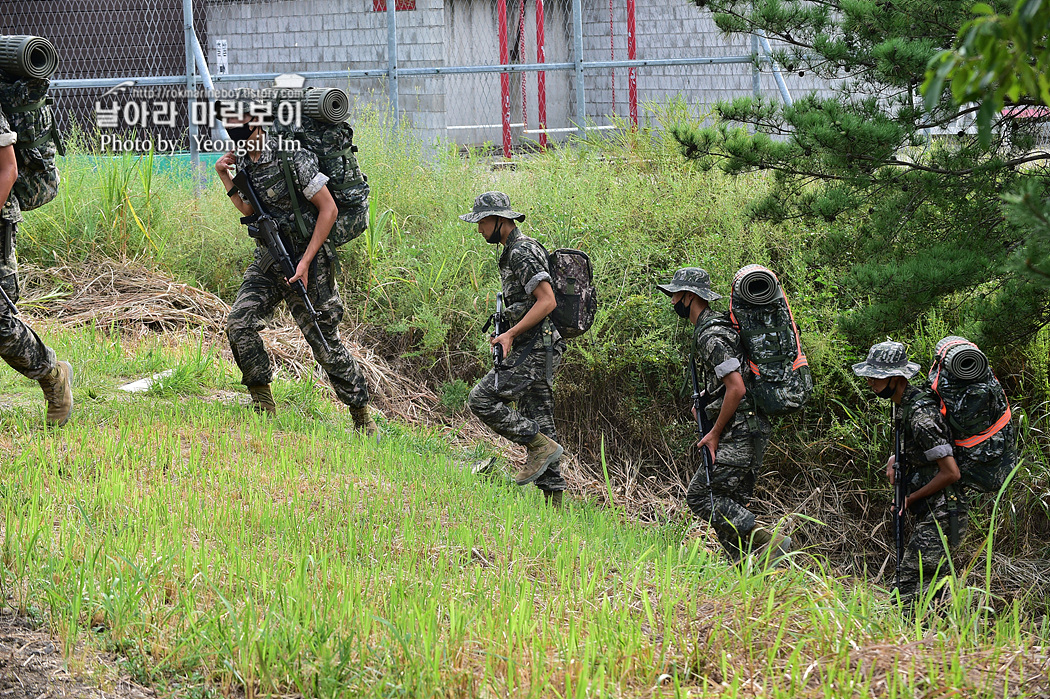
(977, 412)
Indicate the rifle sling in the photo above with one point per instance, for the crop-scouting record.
(293, 193)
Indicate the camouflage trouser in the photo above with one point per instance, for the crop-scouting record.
(527, 385)
(19, 345)
(262, 289)
(925, 558)
(738, 462)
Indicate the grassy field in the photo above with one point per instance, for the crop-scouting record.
(208, 551)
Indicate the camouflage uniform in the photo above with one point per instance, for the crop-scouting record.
(926, 439)
(20, 347)
(738, 460)
(522, 266)
(264, 285)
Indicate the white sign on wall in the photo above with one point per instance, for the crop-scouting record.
(221, 58)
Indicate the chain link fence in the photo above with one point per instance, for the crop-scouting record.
(513, 73)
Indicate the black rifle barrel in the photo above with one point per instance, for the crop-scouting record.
(899, 493)
(702, 427)
(8, 301)
(263, 228)
(497, 330)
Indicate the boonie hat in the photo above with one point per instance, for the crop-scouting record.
(492, 204)
(691, 279)
(884, 360)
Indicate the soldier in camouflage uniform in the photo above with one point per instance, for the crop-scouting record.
(264, 285)
(739, 433)
(532, 348)
(930, 465)
(19, 345)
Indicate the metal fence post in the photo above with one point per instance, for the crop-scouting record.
(756, 83)
(191, 84)
(577, 45)
(777, 75)
(391, 57)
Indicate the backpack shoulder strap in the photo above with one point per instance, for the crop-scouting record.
(716, 320)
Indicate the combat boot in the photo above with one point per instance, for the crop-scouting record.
(543, 451)
(363, 421)
(553, 498)
(262, 399)
(58, 390)
(769, 547)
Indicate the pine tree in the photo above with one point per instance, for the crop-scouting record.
(910, 196)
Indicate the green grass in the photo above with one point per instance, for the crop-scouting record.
(216, 551)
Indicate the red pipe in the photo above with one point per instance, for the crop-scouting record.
(521, 59)
(504, 78)
(612, 56)
(541, 76)
(632, 73)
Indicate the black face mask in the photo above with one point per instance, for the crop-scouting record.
(682, 309)
(240, 133)
(888, 391)
(497, 233)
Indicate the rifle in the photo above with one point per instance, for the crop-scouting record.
(263, 228)
(496, 322)
(8, 301)
(703, 426)
(899, 493)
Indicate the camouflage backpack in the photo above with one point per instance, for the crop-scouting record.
(977, 411)
(333, 144)
(573, 281)
(27, 106)
(781, 381)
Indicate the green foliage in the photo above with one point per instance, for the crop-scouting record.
(998, 59)
(916, 222)
(137, 206)
(454, 394)
(1001, 59)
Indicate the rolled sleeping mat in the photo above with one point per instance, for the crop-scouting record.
(756, 285)
(326, 104)
(963, 360)
(27, 56)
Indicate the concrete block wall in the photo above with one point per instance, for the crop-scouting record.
(472, 38)
(291, 36)
(307, 35)
(670, 29)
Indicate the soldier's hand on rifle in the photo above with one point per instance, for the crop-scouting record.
(710, 441)
(302, 272)
(889, 468)
(505, 341)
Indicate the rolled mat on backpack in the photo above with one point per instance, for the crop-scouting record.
(328, 104)
(962, 358)
(756, 285)
(27, 56)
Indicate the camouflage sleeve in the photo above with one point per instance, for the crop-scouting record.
(931, 433)
(529, 265)
(307, 173)
(7, 136)
(716, 351)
